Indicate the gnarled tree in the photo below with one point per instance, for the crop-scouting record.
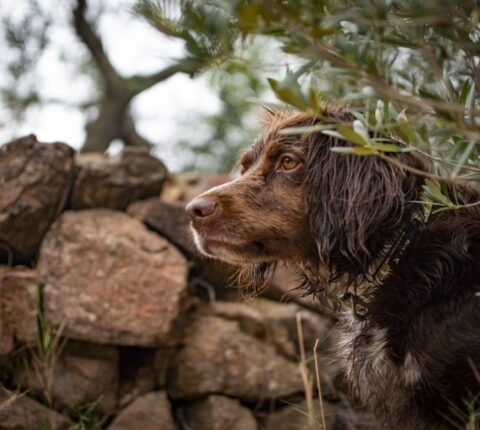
(28, 38)
(114, 120)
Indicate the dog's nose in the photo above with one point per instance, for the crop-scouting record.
(201, 208)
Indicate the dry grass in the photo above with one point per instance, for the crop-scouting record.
(313, 422)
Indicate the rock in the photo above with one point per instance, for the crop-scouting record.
(168, 219)
(107, 279)
(115, 182)
(248, 317)
(314, 326)
(18, 307)
(18, 412)
(35, 180)
(183, 187)
(149, 412)
(84, 373)
(218, 413)
(214, 279)
(209, 278)
(251, 321)
(282, 318)
(217, 357)
(277, 323)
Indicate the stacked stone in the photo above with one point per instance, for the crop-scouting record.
(107, 313)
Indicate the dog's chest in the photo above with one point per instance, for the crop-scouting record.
(374, 379)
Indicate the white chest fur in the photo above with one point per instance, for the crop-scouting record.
(374, 379)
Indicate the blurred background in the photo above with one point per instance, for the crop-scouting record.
(62, 62)
(186, 78)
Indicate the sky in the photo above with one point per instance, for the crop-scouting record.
(133, 46)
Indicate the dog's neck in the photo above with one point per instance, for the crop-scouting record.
(359, 295)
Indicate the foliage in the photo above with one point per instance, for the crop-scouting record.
(29, 39)
(200, 25)
(25, 40)
(234, 73)
(408, 69)
(28, 36)
(237, 82)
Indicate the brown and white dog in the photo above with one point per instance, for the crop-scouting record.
(409, 280)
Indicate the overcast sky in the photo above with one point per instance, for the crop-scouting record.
(133, 47)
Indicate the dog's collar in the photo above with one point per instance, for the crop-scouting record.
(360, 297)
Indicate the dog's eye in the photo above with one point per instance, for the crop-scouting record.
(288, 163)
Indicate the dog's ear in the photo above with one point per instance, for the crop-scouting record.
(355, 203)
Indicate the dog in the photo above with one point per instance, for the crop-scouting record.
(402, 277)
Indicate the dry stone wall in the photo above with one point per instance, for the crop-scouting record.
(109, 318)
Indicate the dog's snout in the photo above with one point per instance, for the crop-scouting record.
(201, 208)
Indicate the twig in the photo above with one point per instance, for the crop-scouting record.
(304, 373)
(319, 387)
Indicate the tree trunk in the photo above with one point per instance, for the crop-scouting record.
(114, 119)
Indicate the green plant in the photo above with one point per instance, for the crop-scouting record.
(43, 357)
(86, 417)
(408, 70)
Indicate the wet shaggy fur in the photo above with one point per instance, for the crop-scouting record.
(414, 361)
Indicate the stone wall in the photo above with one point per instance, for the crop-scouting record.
(109, 319)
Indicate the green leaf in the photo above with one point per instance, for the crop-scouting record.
(433, 192)
(289, 91)
(247, 14)
(464, 157)
(360, 128)
(313, 100)
(347, 134)
(462, 97)
(333, 133)
(407, 133)
(364, 151)
(318, 32)
(357, 150)
(379, 112)
(386, 112)
(307, 129)
(423, 132)
(390, 147)
(429, 94)
(342, 149)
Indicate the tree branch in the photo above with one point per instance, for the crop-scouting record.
(93, 43)
(140, 83)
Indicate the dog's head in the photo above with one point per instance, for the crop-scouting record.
(299, 202)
